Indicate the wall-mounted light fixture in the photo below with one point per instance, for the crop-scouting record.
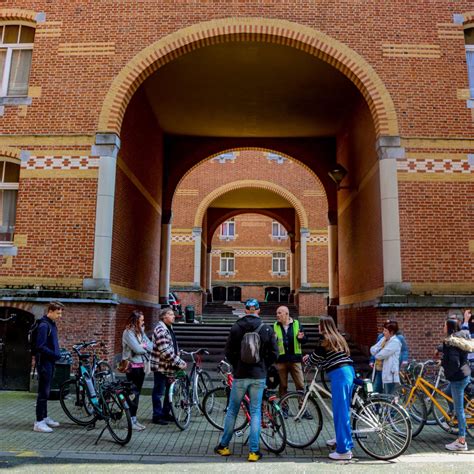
(337, 174)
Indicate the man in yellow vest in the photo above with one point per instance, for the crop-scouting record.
(290, 336)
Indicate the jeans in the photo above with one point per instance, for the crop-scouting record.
(457, 393)
(161, 387)
(342, 381)
(45, 376)
(380, 387)
(136, 376)
(254, 388)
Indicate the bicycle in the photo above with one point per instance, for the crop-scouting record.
(216, 402)
(187, 391)
(98, 398)
(381, 427)
(441, 405)
(80, 410)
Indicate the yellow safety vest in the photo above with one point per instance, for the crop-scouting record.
(279, 334)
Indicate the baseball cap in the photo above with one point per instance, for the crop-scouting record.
(252, 302)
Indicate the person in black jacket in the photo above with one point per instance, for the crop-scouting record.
(47, 353)
(248, 377)
(457, 371)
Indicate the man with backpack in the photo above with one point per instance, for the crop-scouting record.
(251, 348)
(44, 336)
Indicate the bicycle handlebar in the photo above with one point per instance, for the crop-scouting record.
(200, 351)
(82, 345)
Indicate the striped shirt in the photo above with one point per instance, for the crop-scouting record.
(328, 360)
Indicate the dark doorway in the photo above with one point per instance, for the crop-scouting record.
(15, 356)
(234, 293)
(272, 294)
(284, 294)
(219, 293)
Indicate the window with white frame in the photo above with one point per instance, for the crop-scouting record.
(469, 40)
(16, 51)
(279, 262)
(227, 262)
(278, 231)
(9, 173)
(228, 229)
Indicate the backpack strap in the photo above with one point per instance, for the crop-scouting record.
(259, 328)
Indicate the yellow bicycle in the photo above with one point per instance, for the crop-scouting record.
(441, 402)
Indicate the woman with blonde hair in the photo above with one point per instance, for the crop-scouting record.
(136, 348)
(333, 356)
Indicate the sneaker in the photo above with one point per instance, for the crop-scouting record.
(222, 450)
(143, 427)
(335, 456)
(331, 443)
(137, 427)
(50, 422)
(168, 418)
(159, 421)
(456, 446)
(254, 457)
(42, 427)
(307, 415)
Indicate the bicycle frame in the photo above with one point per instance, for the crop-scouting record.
(425, 386)
(317, 390)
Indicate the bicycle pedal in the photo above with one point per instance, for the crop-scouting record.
(239, 434)
(90, 427)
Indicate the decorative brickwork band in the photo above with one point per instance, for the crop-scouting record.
(283, 32)
(60, 163)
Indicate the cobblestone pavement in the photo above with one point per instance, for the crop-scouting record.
(158, 444)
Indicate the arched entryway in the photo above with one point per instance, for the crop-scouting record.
(15, 355)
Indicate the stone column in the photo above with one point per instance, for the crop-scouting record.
(333, 264)
(165, 260)
(106, 147)
(389, 150)
(304, 234)
(197, 233)
(209, 271)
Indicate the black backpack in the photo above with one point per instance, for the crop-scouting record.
(33, 335)
(250, 346)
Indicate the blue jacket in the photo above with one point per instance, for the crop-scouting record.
(47, 343)
(403, 353)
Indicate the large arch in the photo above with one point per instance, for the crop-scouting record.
(307, 39)
(251, 183)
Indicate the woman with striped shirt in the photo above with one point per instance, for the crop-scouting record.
(333, 356)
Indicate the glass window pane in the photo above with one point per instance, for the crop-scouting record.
(223, 264)
(3, 56)
(230, 265)
(19, 73)
(11, 34)
(231, 229)
(8, 215)
(470, 70)
(27, 34)
(283, 265)
(12, 172)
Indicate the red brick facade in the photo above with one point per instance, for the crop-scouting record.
(404, 240)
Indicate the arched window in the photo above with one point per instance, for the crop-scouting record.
(469, 40)
(278, 231)
(9, 176)
(16, 51)
(227, 263)
(279, 262)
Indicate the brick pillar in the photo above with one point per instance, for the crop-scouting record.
(197, 233)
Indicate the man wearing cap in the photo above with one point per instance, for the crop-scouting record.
(248, 377)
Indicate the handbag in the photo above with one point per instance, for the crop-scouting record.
(123, 366)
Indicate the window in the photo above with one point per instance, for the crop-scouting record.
(227, 262)
(469, 40)
(278, 231)
(16, 51)
(224, 158)
(10, 173)
(279, 262)
(275, 158)
(228, 229)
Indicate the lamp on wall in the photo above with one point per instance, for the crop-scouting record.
(337, 174)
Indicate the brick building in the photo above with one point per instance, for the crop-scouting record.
(106, 106)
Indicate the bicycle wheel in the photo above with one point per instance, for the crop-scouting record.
(105, 370)
(215, 405)
(204, 384)
(75, 403)
(416, 408)
(441, 403)
(382, 428)
(469, 410)
(430, 415)
(118, 418)
(303, 430)
(272, 433)
(180, 402)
